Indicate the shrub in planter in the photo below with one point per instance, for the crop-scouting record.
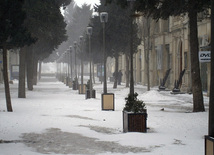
(88, 85)
(134, 105)
(75, 84)
(134, 115)
(87, 95)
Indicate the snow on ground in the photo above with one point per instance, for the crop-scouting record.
(55, 119)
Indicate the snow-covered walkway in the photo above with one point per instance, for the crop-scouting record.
(55, 119)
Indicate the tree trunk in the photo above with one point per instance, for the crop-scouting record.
(211, 104)
(35, 67)
(147, 54)
(127, 70)
(40, 70)
(147, 68)
(22, 70)
(6, 81)
(30, 69)
(116, 71)
(198, 103)
(131, 62)
(93, 72)
(146, 42)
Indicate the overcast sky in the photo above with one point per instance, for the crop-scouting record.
(80, 2)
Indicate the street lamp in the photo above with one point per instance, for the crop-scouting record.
(103, 20)
(75, 50)
(89, 33)
(70, 48)
(81, 50)
(107, 98)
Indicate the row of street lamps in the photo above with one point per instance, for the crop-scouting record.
(107, 98)
(103, 19)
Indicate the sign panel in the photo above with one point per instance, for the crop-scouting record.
(15, 71)
(15, 68)
(100, 70)
(204, 56)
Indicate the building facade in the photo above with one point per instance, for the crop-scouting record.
(167, 47)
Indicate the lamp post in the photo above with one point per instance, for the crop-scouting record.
(104, 19)
(107, 98)
(209, 142)
(75, 50)
(89, 32)
(81, 48)
(70, 57)
(131, 50)
(211, 105)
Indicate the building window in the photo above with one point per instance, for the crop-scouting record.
(167, 56)
(159, 51)
(166, 25)
(170, 60)
(157, 28)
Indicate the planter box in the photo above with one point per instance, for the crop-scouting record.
(64, 81)
(82, 91)
(70, 84)
(87, 94)
(209, 145)
(67, 81)
(75, 85)
(108, 101)
(134, 122)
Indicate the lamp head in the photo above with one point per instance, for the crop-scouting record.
(103, 17)
(89, 30)
(75, 44)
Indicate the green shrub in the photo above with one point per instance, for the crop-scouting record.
(134, 105)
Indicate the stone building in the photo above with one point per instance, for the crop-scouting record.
(168, 47)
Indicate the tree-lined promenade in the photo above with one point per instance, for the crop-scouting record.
(39, 29)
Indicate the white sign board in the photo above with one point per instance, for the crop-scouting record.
(15, 68)
(204, 56)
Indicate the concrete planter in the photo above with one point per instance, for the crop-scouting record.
(75, 85)
(70, 85)
(82, 89)
(108, 101)
(87, 94)
(134, 122)
(209, 145)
